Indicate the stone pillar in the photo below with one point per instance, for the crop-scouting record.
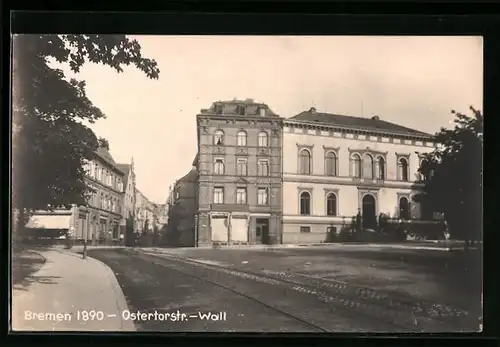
(204, 235)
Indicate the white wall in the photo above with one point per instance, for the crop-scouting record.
(292, 139)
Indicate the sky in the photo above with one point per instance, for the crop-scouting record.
(411, 81)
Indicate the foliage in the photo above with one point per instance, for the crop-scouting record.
(102, 142)
(50, 141)
(453, 175)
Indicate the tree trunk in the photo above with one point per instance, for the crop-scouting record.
(17, 227)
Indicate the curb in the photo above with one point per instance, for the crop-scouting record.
(121, 302)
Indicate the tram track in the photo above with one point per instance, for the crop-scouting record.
(363, 316)
(398, 314)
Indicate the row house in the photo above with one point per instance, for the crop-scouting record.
(182, 210)
(98, 221)
(239, 174)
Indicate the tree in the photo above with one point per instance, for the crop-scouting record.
(50, 141)
(453, 176)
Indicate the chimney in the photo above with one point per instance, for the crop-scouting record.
(312, 110)
(375, 118)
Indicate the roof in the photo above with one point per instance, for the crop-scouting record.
(191, 176)
(125, 168)
(105, 155)
(374, 123)
(252, 108)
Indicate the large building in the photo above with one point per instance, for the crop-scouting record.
(239, 174)
(99, 220)
(335, 166)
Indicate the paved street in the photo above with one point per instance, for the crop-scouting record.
(294, 289)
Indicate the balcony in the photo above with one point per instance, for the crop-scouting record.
(230, 207)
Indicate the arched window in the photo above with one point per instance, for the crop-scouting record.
(242, 138)
(380, 168)
(367, 166)
(305, 203)
(331, 164)
(403, 169)
(305, 162)
(219, 137)
(262, 139)
(356, 166)
(219, 167)
(404, 208)
(331, 205)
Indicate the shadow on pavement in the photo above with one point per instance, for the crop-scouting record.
(25, 263)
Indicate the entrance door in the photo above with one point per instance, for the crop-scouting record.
(369, 218)
(262, 230)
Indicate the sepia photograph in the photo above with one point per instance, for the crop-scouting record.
(277, 184)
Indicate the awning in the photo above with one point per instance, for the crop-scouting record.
(49, 222)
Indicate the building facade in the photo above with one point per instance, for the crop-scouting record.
(129, 194)
(183, 210)
(101, 218)
(335, 167)
(239, 165)
(144, 215)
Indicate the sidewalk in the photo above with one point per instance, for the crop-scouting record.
(59, 295)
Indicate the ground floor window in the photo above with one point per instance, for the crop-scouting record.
(305, 229)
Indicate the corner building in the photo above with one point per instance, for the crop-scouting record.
(335, 166)
(239, 164)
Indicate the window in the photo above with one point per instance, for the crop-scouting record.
(356, 166)
(262, 139)
(219, 167)
(424, 170)
(380, 168)
(218, 109)
(262, 196)
(219, 137)
(96, 172)
(218, 195)
(263, 168)
(240, 110)
(331, 204)
(305, 229)
(305, 162)
(331, 164)
(242, 138)
(103, 175)
(367, 166)
(305, 203)
(241, 195)
(403, 169)
(404, 208)
(241, 167)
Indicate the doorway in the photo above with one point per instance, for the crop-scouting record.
(369, 211)
(262, 231)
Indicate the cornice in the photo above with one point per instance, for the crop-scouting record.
(354, 131)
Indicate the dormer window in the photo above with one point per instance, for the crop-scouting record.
(240, 109)
(218, 109)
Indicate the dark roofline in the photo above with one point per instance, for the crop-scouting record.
(105, 161)
(413, 133)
